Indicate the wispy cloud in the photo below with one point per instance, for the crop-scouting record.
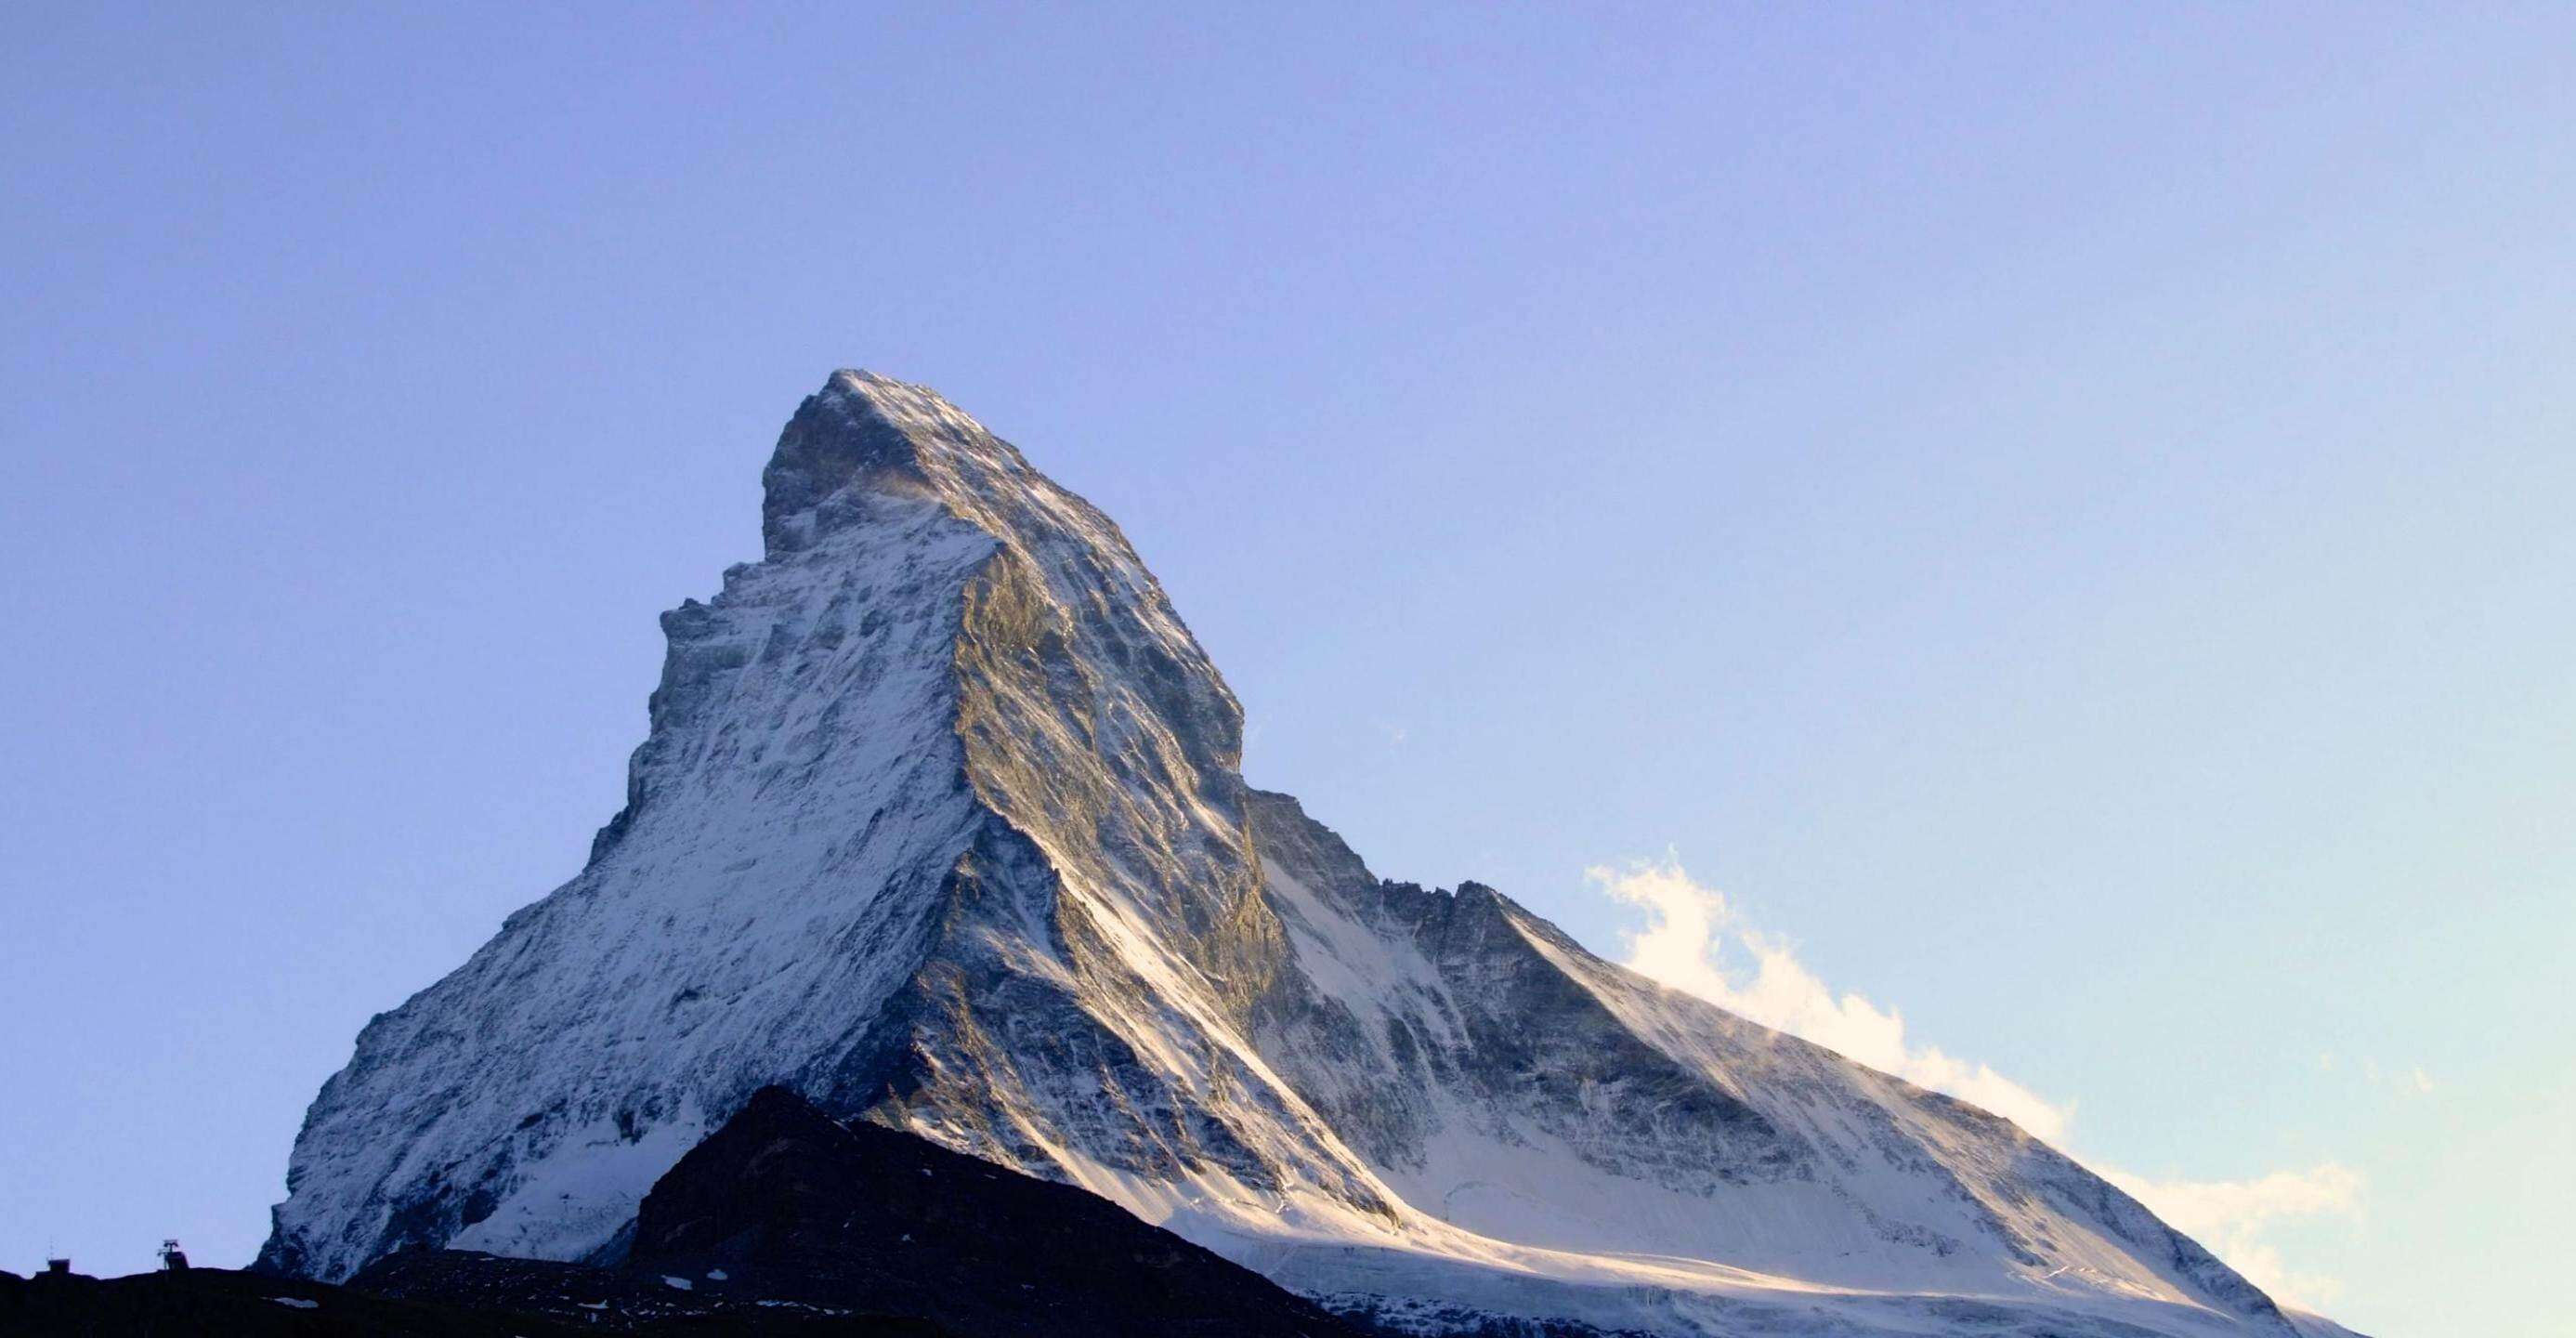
(1695, 940)
(2230, 1217)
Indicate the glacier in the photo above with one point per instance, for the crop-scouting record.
(939, 821)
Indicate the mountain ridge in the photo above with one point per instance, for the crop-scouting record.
(940, 823)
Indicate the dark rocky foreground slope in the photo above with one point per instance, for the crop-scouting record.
(782, 1222)
(787, 1203)
(223, 1303)
(218, 1303)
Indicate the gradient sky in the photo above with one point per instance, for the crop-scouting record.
(2061, 514)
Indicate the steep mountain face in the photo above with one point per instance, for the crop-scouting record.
(940, 824)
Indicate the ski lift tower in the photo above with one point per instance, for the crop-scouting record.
(172, 1259)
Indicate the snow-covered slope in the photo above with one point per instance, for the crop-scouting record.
(940, 823)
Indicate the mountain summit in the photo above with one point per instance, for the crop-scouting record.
(940, 824)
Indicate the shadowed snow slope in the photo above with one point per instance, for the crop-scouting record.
(940, 824)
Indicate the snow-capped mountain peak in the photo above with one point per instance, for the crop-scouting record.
(940, 823)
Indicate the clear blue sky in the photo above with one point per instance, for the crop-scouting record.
(2062, 513)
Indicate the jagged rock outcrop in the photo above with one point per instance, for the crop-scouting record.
(940, 824)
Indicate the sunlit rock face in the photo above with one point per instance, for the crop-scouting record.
(940, 824)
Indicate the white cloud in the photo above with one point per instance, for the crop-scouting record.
(1695, 941)
(2229, 1217)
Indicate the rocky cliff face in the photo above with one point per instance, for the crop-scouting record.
(940, 824)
